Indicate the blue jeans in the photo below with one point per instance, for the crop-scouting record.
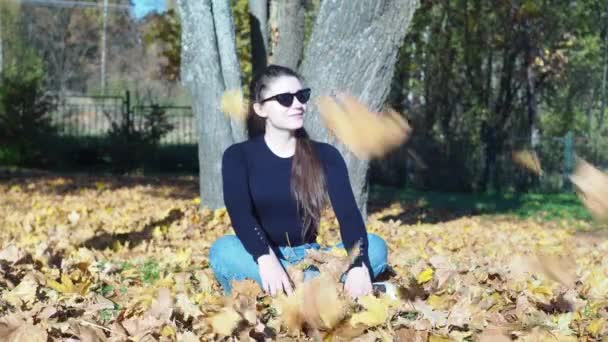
(230, 261)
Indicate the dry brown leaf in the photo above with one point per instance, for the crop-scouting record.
(187, 336)
(15, 328)
(316, 303)
(186, 307)
(140, 326)
(23, 293)
(410, 335)
(11, 254)
(365, 133)
(494, 334)
(561, 269)
(225, 321)
(245, 287)
(528, 160)
(162, 307)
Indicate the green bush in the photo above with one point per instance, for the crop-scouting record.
(130, 145)
(24, 109)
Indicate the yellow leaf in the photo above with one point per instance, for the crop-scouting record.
(596, 326)
(167, 331)
(233, 104)
(425, 276)
(539, 289)
(100, 185)
(437, 338)
(183, 257)
(225, 322)
(67, 286)
(341, 252)
(376, 312)
(439, 302)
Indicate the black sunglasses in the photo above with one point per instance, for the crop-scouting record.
(286, 99)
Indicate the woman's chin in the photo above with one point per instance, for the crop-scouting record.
(297, 123)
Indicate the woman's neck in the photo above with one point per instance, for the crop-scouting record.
(281, 142)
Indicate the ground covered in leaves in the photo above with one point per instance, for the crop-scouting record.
(106, 259)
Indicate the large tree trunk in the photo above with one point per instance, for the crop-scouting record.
(258, 22)
(209, 67)
(354, 48)
(286, 32)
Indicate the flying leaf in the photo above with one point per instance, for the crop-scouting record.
(233, 104)
(350, 121)
(592, 187)
(528, 160)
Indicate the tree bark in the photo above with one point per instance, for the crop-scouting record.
(258, 21)
(209, 67)
(1, 43)
(286, 32)
(354, 48)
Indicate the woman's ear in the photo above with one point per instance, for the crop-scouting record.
(257, 108)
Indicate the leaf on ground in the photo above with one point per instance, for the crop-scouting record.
(435, 317)
(245, 287)
(376, 312)
(15, 328)
(224, 322)
(425, 276)
(23, 293)
(162, 307)
(186, 307)
(68, 286)
(11, 254)
(410, 335)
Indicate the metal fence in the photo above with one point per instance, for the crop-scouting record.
(93, 116)
(557, 158)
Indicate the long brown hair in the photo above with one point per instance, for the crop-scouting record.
(307, 177)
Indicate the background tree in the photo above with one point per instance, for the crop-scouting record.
(286, 25)
(209, 67)
(353, 47)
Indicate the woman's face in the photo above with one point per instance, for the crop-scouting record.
(279, 115)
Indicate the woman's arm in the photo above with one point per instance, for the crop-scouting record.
(352, 227)
(247, 228)
(239, 204)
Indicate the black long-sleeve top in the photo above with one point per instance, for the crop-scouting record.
(262, 209)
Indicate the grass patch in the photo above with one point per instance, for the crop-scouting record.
(555, 206)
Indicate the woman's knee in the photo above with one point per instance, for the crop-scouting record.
(222, 248)
(377, 244)
(378, 254)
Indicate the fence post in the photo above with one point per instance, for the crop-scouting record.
(568, 158)
(128, 111)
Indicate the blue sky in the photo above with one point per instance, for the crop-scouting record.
(143, 7)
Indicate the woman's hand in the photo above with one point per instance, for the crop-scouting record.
(358, 282)
(274, 277)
